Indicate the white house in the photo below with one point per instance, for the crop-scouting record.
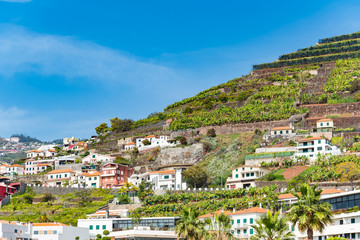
(58, 231)
(14, 230)
(154, 141)
(166, 179)
(129, 146)
(60, 177)
(282, 131)
(324, 125)
(244, 176)
(15, 169)
(311, 147)
(93, 158)
(241, 221)
(91, 180)
(46, 151)
(3, 168)
(33, 153)
(136, 179)
(35, 167)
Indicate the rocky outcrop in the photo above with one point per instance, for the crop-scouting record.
(180, 155)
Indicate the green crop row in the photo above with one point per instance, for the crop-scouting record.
(332, 45)
(340, 38)
(319, 52)
(302, 61)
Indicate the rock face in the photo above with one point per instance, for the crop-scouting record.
(180, 155)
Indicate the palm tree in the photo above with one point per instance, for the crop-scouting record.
(308, 212)
(219, 227)
(190, 227)
(271, 227)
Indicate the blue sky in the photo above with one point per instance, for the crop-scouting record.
(67, 66)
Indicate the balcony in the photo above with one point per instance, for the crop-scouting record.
(108, 175)
(241, 225)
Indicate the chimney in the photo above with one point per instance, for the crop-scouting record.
(233, 210)
(107, 214)
(260, 205)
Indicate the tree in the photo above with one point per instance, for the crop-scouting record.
(349, 171)
(183, 140)
(211, 132)
(136, 219)
(190, 227)
(102, 128)
(271, 227)
(118, 125)
(77, 238)
(220, 227)
(106, 232)
(146, 142)
(308, 212)
(196, 175)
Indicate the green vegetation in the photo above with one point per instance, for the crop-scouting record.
(172, 204)
(340, 38)
(61, 208)
(341, 77)
(269, 155)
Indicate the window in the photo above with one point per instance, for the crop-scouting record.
(341, 222)
(320, 238)
(247, 174)
(93, 156)
(65, 174)
(55, 232)
(238, 221)
(237, 170)
(51, 176)
(252, 174)
(327, 124)
(91, 227)
(36, 232)
(321, 124)
(275, 132)
(251, 231)
(319, 148)
(237, 176)
(251, 220)
(45, 232)
(280, 132)
(238, 232)
(15, 230)
(104, 227)
(232, 222)
(244, 220)
(353, 236)
(245, 231)
(166, 177)
(243, 169)
(97, 227)
(319, 141)
(353, 220)
(95, 178)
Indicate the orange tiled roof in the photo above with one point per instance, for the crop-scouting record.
(51, 150)
(34, 151)
(91, 174)
(325, 120)
(61, 171)
(49, 224)
(311, 139)
(324, 192)
(131, 143)
(43, 164)
(281, 128)
(16, 165)
(163, 172)
(250, 210)
(150, 136)
(215, 213)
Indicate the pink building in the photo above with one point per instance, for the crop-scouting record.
(34, 167)
(114, 175)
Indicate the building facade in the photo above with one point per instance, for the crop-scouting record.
(114, 175)
(244, 176)
(314, 146)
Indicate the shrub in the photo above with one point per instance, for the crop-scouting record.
(124, 199)
(187, 110)
(258, 132)
(223, 98)
(183, 140)
(207, 147)
(146, 142)
(355, 86)
(211, 132)
(47, 197)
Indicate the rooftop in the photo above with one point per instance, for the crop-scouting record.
(250, 210)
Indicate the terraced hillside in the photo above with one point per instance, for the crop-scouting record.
(327, 73)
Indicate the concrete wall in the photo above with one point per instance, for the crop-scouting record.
(275, 149)
(236, 128)
(180, 155)
(321, 110)
(30, 179)
(62, 190)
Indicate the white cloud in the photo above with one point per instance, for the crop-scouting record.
(22, 50)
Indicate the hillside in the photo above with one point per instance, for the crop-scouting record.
(327, 73)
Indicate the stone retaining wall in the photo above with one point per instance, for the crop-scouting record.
(321, 110)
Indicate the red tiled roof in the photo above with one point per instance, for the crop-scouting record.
(311, 139)
(215, 213)
(324, 192)
(164, 172)
(250, 210)
(281, 128)
(325, 120)
(61, 171)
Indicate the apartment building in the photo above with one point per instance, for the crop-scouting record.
(244, 176)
